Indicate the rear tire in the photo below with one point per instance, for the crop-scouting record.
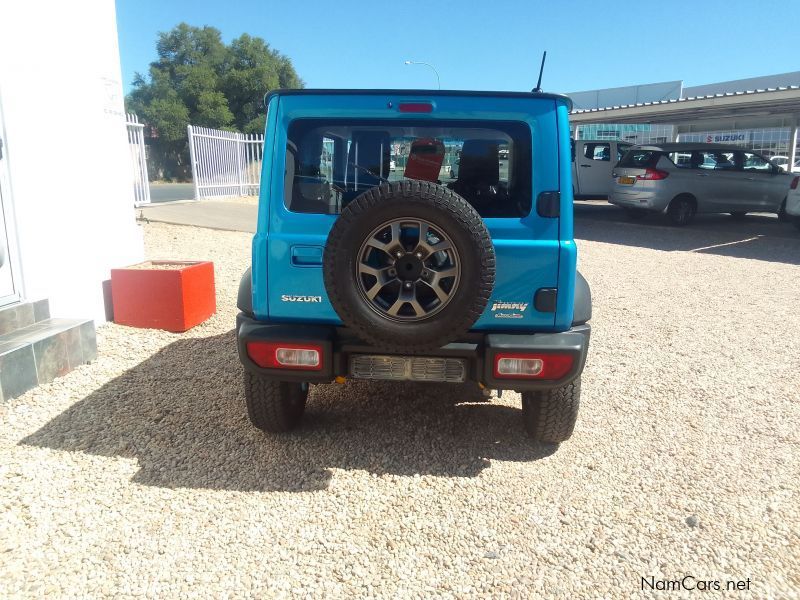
(550, 415)
(274, 406)
(738, 215)
(682, 210)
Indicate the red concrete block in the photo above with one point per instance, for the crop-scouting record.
(170, 295)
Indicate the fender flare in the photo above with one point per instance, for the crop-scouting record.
(583, 300)
(244, 300)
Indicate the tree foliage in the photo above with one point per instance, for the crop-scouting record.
(198, 79)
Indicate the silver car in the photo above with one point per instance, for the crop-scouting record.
(685, 179)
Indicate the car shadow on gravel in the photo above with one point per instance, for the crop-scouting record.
(181, 415)
(757, 236)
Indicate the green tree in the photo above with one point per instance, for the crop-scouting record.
(197, 79)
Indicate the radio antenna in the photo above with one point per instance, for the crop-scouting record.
(538, 87)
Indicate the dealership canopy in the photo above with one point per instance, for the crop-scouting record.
(769, 107)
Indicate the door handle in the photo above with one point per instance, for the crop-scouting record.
(306, 256)
(750, 178)
(702, 174)
(586, 166)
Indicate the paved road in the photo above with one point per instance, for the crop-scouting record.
(231, 216)
(168, 192)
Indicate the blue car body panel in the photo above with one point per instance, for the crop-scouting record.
(532, 252)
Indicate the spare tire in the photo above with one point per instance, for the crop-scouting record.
(409, 266)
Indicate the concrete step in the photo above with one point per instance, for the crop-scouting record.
(43, 350)
(22, 315)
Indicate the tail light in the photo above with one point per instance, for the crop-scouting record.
(278, 355)
(795, 181)
(653, 175)
(532, 366)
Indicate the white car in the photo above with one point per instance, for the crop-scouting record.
(783, 163)
(793, 202)
(592, 162)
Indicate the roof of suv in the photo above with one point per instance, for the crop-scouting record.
(688, 146)
(389, 92)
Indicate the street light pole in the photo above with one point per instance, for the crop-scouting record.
(416, 62)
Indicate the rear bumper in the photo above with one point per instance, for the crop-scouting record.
(477, 350)
(626, 197)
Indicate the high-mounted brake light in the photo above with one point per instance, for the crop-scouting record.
(795, 181)
(532, 366)
(653, 175)
(279, 355)
(415, 107)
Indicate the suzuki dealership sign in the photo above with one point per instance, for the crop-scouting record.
(726, 138)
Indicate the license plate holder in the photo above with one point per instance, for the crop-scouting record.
(408, 368)
(627, 180)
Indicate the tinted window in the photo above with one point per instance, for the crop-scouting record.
(621, 150)
(683, 159)
(330, 162)
(754, 162)
(597, 152)
(704, 159)
(716, 160)
(640, 159)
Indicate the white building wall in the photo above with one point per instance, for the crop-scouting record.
(67, 150)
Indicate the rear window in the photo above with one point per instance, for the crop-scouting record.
(640, 159)
(330, 162)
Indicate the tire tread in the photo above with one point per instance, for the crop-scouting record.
(269, 403)
(550, 415)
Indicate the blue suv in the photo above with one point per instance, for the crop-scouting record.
(415, 236)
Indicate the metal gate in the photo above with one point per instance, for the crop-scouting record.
(141, 185)
(225, 163)
(9, 265)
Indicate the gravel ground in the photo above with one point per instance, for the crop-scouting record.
(139, 474)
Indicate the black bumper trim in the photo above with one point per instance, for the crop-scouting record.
(478, 348)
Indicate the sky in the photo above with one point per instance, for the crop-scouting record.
(490, 45)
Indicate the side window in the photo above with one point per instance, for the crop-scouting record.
(704, 160)
(723, 161)
(754, 162)
(597, 152)
(326, 159)
(713, 160)
(683, 160)
(621, 150)
(504, 152)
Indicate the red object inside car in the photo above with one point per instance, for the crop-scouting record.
(425, 160)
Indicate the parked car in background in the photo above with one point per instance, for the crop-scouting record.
(783, 163)
(682, 179)
(592, 161)
(793, 201)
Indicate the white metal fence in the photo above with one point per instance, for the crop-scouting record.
(225, 163)
(141, 185)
